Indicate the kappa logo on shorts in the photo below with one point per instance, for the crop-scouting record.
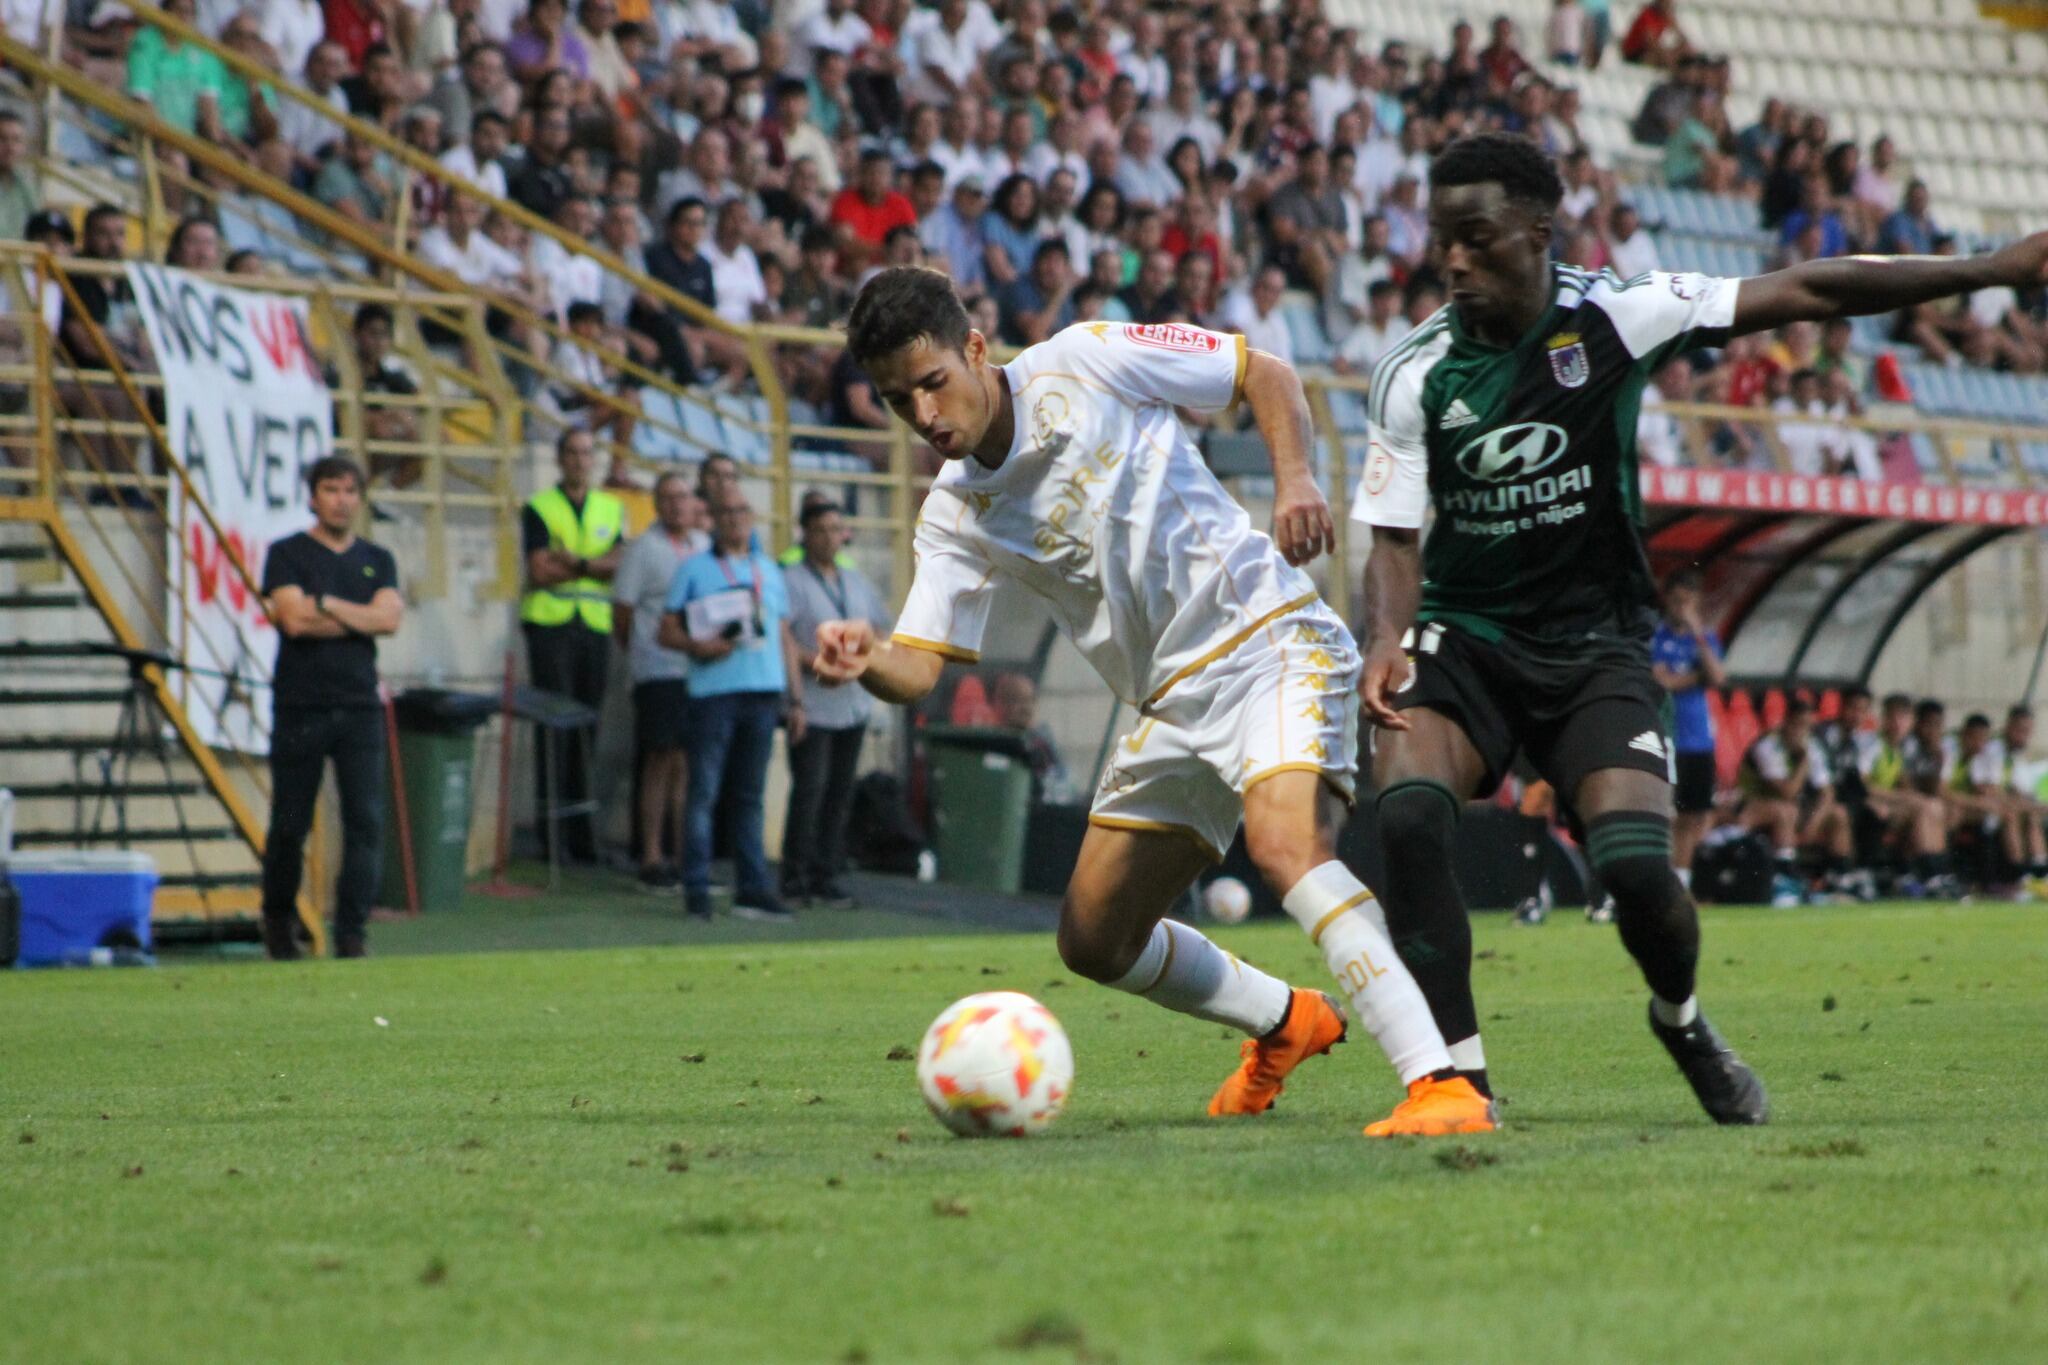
(1650, 742)
(1173, 336)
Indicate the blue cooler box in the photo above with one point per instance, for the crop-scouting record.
(72, 901)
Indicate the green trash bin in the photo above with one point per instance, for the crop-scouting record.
(980, 804)
(437, 750)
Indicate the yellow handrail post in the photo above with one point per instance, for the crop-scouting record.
(45, 395)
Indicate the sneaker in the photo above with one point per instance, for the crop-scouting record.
(281, 938)
(697, 905)
(832, 896)
(1531, 911)
(1787, 891)
(350, 945)
(659, 880)
(763, 909)
(1728, 1090)
(1312, 1027)
(1603, 913)
(1438, 1108)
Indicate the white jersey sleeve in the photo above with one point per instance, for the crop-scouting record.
(947, 609)
(1770, 760)
(1658, 314)
(1166, 362)
(1393, 490)
(1987, 767)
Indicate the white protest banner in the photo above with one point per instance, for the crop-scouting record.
(246, 411)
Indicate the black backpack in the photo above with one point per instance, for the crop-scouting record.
(880, 835)
(1734, 871)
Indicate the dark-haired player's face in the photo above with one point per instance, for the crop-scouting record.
(1492, 252)
(938, 391)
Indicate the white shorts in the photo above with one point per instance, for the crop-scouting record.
(1285, 700)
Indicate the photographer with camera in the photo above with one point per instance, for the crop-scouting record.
(729, 611)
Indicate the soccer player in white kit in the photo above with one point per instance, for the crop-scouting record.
(1070, 473)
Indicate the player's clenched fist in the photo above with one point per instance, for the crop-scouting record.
(1386, 674)
(1301, 521)
(845, 649)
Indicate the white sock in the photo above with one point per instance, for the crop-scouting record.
(1468, 1055)
(1684, 877)
(1342, 918)
(1675, 1016)
(1182, 970)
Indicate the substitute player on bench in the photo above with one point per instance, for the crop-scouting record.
(1069, 473)
(1526, 621)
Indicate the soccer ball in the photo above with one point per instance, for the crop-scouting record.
(995, 1064)
(1227, 900)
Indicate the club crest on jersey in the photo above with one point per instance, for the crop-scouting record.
(1568, 360)
(1173, 336)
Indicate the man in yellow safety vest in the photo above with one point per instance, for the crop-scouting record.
(571, 535)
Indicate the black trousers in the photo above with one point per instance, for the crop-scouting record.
(302, 740)
(821, 770)
(570, 660)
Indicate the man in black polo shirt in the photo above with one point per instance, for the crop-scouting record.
(332, 593)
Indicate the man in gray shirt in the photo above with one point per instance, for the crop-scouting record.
(661, 677)
(822, 763)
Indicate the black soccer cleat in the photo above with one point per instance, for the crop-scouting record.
(1728, 1090)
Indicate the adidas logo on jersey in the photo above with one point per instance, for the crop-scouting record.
(1457, 415)
(1650, 742)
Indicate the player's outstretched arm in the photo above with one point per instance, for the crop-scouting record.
(1301, 519)
(849, 652)
(1852, 286)
(1393, 594)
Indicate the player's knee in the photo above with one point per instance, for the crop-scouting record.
(1419, 818)
(1631, 852)
(1089, 950)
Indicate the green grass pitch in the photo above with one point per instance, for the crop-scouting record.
(707, 1154)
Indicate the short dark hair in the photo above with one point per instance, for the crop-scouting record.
(1051, 246)
(368, 313)
(1928, 707)
(688, 201)
(583, 310)
(900, 305)
(812, 511)
(817, 237)
(1976, 720)
(1799, 705)
(1897, 701)
(1379, 289)
(330, 467)
(2019, 710)
(183, 230)
(1517, 165)
(486, 116)
(1857, 692)
(102, 210)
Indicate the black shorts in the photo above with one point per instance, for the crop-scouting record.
(1695, 783)
(661, 714)
(1572, 711)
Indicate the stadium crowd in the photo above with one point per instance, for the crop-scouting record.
(1260, 171)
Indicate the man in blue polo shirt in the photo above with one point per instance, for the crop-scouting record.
(1685, 658)
(729, 611)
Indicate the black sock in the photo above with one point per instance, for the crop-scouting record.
(1479, 1081)
(1928, 866)
(1425, 909)
(1836, 866)
(1659, 926)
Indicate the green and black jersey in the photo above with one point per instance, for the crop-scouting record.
(1528, 454)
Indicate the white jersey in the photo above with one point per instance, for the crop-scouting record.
(1105, 509)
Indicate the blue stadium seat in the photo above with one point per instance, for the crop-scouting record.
(700, 424)
(655, 439)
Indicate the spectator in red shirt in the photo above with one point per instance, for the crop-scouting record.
(864, 212)
(1500, 59)
(1750, 371)
(355, 24)
(1655, 39)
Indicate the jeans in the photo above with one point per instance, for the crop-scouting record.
(821, 769)
(731, 737)
(570, 660)
(301, 742)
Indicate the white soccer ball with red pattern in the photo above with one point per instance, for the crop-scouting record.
(995, 1064)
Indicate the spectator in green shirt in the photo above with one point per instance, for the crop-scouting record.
(187, 86)
(18, 187)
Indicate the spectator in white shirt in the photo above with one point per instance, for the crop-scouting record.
(1330, 91)
(477, 161)
(1377, 333)
(459, 247)
(1060, 151)
(945, 58)
(1629, 248)
(735, 273)
(1181, 115)
(1255, 312)
(569, 276)
(956, 150)
(304, 128)
(1140, 173)
(292, 29)
(1808, 445)
(1564, 34)
(1659, 439)
(838, 29)
(1143, 59)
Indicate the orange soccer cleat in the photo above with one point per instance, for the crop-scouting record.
(1437, 1108)
(1314, 1025)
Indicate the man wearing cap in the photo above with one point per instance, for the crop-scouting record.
(952, 234)
(19, 192)
(571, 534)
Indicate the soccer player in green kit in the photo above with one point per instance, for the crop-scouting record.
(1525, 621)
